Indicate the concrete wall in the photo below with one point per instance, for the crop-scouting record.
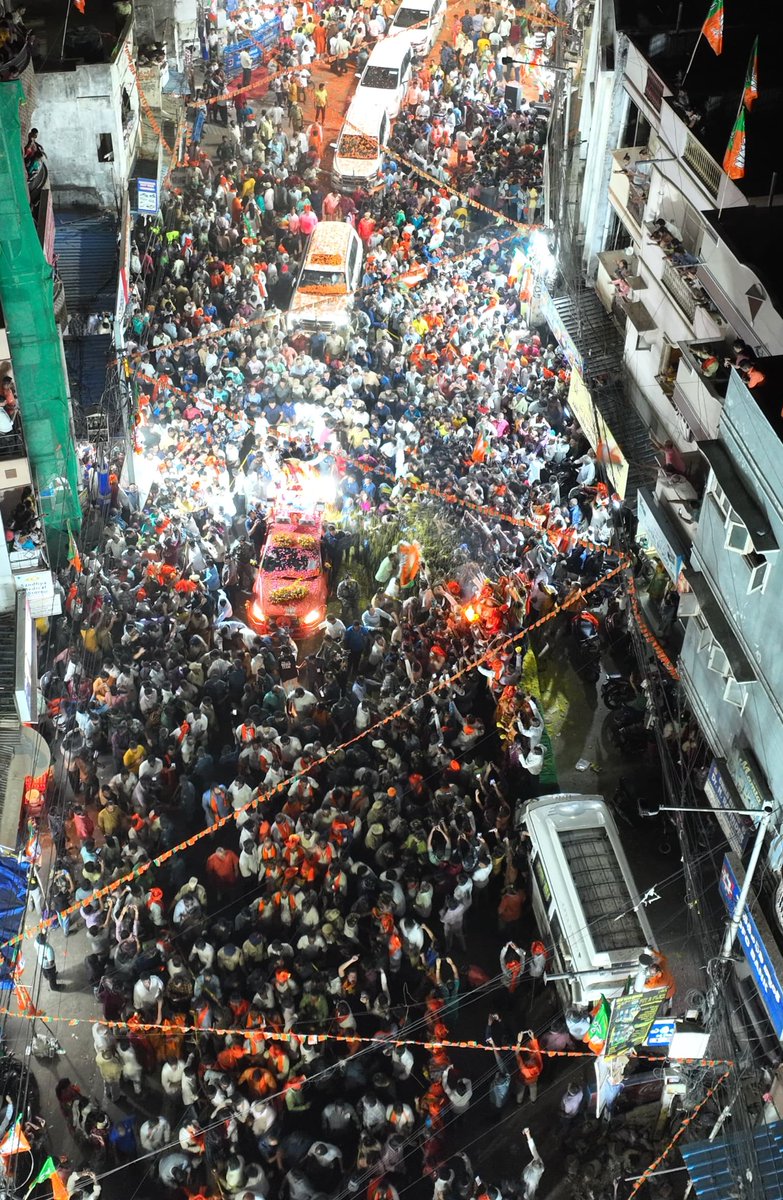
(735, 279)
(756, 619)
(74, 108)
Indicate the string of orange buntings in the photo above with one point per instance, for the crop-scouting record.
(138, 871)
(198, 338)
(646, 632)
(145, 104)
(484, 509)
(304, 1039)
(687, 1121)
(527, 523)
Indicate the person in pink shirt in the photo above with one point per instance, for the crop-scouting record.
(307, 221)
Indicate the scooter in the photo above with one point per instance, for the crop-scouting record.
(617, 691)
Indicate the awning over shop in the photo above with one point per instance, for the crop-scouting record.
(716, 1167)
(13, 902)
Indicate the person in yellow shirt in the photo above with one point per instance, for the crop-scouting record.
(133, 757)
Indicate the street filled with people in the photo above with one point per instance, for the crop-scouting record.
(308, 818)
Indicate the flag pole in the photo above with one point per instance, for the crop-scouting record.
(65, 29)
(725, 182)
(690, 64)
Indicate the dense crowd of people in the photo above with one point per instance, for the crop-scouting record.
(369, 775)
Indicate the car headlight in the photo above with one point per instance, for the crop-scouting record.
(313, 616)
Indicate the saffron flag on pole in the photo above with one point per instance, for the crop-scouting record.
(734, 158)
(15, 1141)
(73, 552)
(713, 26)
(49, 1171)
(751, 93)
(79, 4)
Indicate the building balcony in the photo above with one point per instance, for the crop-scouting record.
(628, 199)
(96, 38)
(700, 397)
(19, 57)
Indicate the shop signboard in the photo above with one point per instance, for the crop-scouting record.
(736, 827)
(651, 529)
(147, 196)
(631, 1020)
(764, 962)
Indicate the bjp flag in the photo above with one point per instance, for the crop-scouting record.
(751, 93)
(713, 26)
(734, 158)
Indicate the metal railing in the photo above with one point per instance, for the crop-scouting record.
(12, 444)
(702, 164)
(679, 291)
(14, 67)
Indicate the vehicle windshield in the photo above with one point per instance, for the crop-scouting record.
(406, 17)
(380, 77)
(313, 277)
(289, 561)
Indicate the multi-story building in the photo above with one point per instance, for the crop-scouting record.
(702, 253)
(654, 149)
(86, 105)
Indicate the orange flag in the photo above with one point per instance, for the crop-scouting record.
(15, 1141)
(734, 158)
(751, 93)
(713, 26)
(79, 4)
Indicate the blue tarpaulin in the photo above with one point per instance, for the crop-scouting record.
(715, 1167)
(13, 901)
(263, 39)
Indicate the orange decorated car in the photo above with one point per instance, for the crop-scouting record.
(290, 586)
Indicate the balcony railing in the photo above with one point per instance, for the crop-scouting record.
(678, 289)
(702, 164)
(12, 444)
(13, 67)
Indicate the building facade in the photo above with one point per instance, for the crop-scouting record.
(685, 262)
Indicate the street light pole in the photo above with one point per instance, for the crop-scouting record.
(764, 818)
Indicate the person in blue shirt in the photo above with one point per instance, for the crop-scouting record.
(355, 642)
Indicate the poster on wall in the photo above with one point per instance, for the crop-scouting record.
(598, 433)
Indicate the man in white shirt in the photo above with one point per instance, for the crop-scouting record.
(148, 997)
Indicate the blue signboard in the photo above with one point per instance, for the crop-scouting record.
(661, 1032)
(736, 827)
(756, 953)
(147, 196)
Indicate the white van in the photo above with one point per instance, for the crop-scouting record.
(418, 22)
(385, 77)
(329, 276)
(584, 897)
(358, 156)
